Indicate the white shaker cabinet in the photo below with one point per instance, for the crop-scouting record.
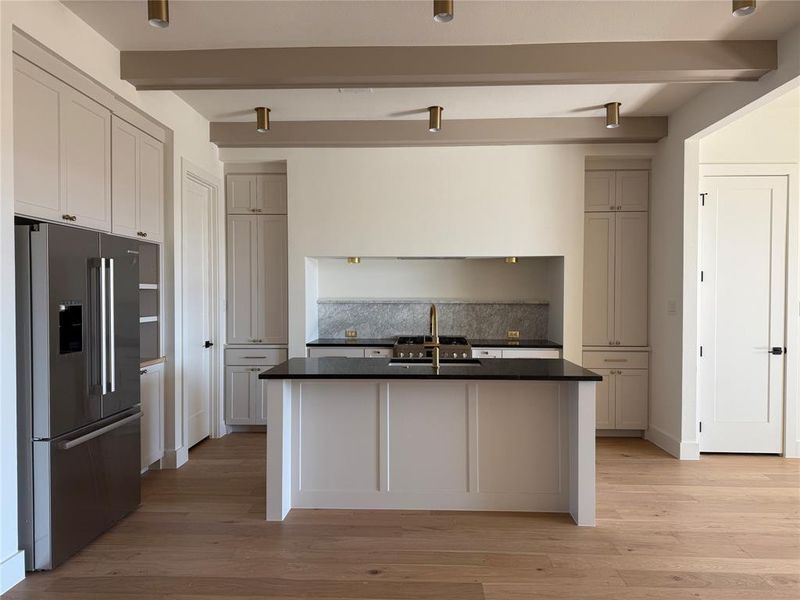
(257, 279)
(245, 396)
(62, 151)
(622, 395)
(256, 194)
(598, 278)
(152, 398)
(600, 191)
(615, 279)
(137, 182)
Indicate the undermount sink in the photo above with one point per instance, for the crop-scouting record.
(411, 362)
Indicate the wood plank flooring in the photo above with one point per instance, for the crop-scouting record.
(723, 528)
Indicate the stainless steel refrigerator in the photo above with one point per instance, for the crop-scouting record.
(78, 387)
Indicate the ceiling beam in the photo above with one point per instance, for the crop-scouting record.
(468, 132)
(418, 66)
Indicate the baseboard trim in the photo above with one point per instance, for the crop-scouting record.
(663, 440)
(175, 459)
(626, 433)
(690, 451)
(12, 571)
(793, 451)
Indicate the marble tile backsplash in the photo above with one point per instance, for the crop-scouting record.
(388, 318)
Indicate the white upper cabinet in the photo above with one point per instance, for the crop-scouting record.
(151, 188)
(37, 179)
(600, 191)
(617, 191)
(138, 183)
(256, 194)
(598, 279)
(632, 190)
(62, 151)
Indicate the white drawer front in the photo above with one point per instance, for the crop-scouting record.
(532, 353)
(255, 356)
(487, 353)
(377, 352)
(321, 352)
(615, 360)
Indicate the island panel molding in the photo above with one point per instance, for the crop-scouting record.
(456, 132)
(420, 442)
(425, 66)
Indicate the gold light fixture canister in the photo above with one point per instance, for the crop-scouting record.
(435, 118)
(742, 8)
(612, 115)
(158, 13)
(442, 11)
(262, 119)
(353, 260)
(512, 260)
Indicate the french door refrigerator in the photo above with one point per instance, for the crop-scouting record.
(78, 387)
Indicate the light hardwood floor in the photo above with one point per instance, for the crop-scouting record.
(723, 528)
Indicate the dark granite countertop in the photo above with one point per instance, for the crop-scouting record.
(389, 342)
(535, 369)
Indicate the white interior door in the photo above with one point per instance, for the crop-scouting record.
(742, 314)
(198, 243)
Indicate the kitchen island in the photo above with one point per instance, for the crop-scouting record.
(489, 434)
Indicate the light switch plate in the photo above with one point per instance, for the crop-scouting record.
(350, 333)
(513, 334)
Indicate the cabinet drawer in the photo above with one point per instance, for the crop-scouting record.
(532, 353)
(255, 356)
(322, 351)
(487, 353)
(377, 352)
(615, 360)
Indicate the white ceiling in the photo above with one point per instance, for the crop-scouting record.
(280, 23)
(459, 102)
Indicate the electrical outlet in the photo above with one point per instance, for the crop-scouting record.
(351, 333)
(513, 334)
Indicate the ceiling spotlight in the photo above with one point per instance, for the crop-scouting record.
(262, 119)
(435, 118)
(612, 115)
(442, 11)
(158, 13)
(742, 8)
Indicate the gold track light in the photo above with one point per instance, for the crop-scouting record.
(442, 11)
(262, 119)
(612, 115)
(434, 118)
(158, 13)
(742, 8)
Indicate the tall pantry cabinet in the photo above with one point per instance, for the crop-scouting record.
(615, 303)
(257, 292)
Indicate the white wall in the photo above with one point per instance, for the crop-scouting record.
(673, 243)
(58, 29)
(484, 279)
(460, 201)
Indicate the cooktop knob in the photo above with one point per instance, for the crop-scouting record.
(402, 354)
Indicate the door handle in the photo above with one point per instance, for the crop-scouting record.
(112, 322)
(208, 344)
(103, 329)
(776, 350)
(98, 432)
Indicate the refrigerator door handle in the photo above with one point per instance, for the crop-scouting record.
(69, 444)
(112, 326)
(103, 329)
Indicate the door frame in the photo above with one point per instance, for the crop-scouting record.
(190, 171)
(791, 414)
